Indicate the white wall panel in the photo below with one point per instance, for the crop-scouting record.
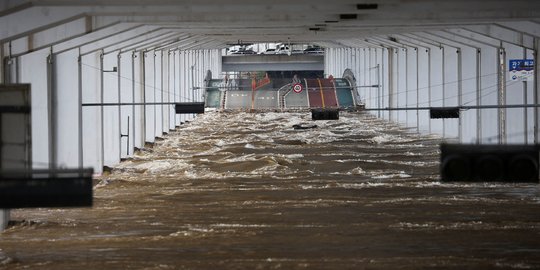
(516, 93)
(177, 83)
(171, 78)
(423, 89)
(149, 96)
(158, 94)
(468, 83)
(393, 82)
(443, 73)
(488, 95)
(385, 81)
(66, 83)
(401, 90)
(182, 81)
(450, 90)
(138, 85)
(436, 87)
(411, 93)
(33, 70)
(530, 100)
(376, 75)
(126, 96)
(91, 93)
(111, 129)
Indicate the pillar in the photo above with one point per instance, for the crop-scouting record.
(4, 219)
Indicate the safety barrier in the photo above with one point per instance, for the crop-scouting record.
(500, 163)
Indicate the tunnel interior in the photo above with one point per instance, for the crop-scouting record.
(186, 130)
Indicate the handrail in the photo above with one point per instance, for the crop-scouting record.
(282, 97)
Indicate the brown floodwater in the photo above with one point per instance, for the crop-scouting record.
(247, 191)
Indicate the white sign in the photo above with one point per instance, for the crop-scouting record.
(521, 69)
(297, 88)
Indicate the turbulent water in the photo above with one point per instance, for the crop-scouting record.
(247, 191)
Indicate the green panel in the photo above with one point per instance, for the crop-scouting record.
(213, 98)
(213, 95)
(344, 93)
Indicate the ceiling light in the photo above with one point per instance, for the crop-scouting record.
(367, 6)
(348, 16)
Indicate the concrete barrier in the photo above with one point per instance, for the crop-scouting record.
(324, 114)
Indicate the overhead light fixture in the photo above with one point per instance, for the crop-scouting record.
(367, 6)
(348, 16)
(114, 69)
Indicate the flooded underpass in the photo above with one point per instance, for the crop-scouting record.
(248, 191)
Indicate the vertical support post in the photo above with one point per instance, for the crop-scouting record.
(406, 86)
(460, 91)
(535, 88)
(133, 56)
(478, 95)
(443, 61)
(7, 62)
(396, 52)
(502, 94)
(128, 133)
(118, 58)
(175, 95)
(370, 76)
(429, 84)
(2, 63)
(4, 218)
(154, 100)
(4, 213)
(101, 110)
(379, 94)
(80, 111)
(1, 145)
(162, 90)
(525, 110)
(169, 89)
(17, 73)
(193, 82)
(391, 78)
(143, 88)
(417, 88)
(51, 105)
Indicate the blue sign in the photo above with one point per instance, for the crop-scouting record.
(521, 69)
(521, 64)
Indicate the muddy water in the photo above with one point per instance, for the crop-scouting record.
(247, 191)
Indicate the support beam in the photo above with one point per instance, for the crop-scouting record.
(102, 34)
(18, 24)
(497, 32)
